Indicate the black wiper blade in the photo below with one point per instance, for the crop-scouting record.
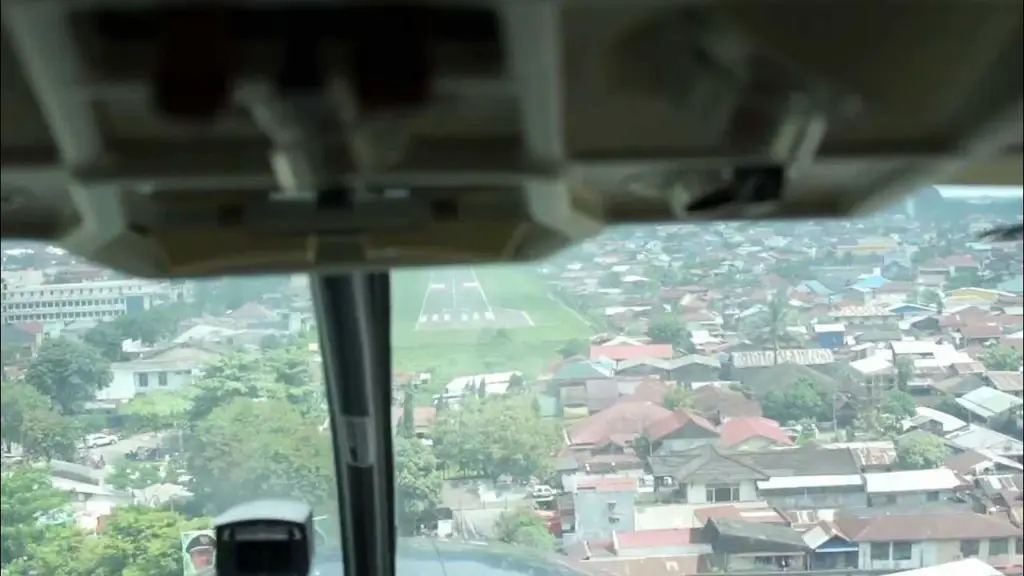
(354, 323)
(1010, 233)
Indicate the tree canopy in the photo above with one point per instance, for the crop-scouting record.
(800, 400)
(26, 496)
(417, 481)
(135, 541)
(1002, 358)
(496, 436)
(677, 398)
(524, 528)
(250, 448)
(68, 372)
(30, 422)
(921, 452)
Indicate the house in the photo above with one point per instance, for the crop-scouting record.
(754, 433)
(911, 310)
(601, 507)
(990, 405)
(830, 549)
(694, 368)
(912, 487)
(621, 353)
(813, 492)
(1009, 382)
(163, 370)
(741, 546)
(832, 336)
(987, 442)
(679, 432)
(706, 475)
(711, 474)
(614, 429)
(584, 369)
(914, 538)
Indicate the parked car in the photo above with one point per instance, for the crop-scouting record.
(99, 440)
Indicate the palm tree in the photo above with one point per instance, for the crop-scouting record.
(775, 321)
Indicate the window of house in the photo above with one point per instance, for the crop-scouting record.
(890, 499)
(969, 548)
(162, 378)
(902, 550)
(880, 550)
(723, 493)
(1020, 546)
(999, 547)
(143, 380)
(932, 496)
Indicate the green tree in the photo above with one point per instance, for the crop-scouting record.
(285, 376)
(146, 326)
(157, 411)
(140, 541)
(678, 398)
(418, 483)
(69, 373)
(49, 436)
(950, 406)
(136, 541)
(1002, 358)
(26, 497)
(668, 330)
(802, 399)
(259, 448)
(899, 405)
(496, 436)
(904, 372)
(524, 528)
(921, 452)
(30, 421)
(19, 403)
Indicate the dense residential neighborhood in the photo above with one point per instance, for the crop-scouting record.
(805, 397)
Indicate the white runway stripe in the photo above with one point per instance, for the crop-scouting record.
(489, 315)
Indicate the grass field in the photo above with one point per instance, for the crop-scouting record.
(460, 350)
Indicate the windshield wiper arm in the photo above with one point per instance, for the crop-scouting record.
(355, 338)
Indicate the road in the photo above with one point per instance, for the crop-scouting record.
(115, 452)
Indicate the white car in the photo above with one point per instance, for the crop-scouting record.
(99, 440)
(543, 491)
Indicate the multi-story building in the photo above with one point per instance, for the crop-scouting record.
(91, 300)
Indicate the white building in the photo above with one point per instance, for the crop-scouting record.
(85, 301)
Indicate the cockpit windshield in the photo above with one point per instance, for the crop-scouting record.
(677, 399)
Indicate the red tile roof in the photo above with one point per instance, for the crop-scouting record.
(624, 418)
(670, 423)
(925, 526)
(738, 430)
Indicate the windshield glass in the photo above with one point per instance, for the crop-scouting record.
(670, 399)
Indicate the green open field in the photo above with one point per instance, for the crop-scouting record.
(462, 350)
